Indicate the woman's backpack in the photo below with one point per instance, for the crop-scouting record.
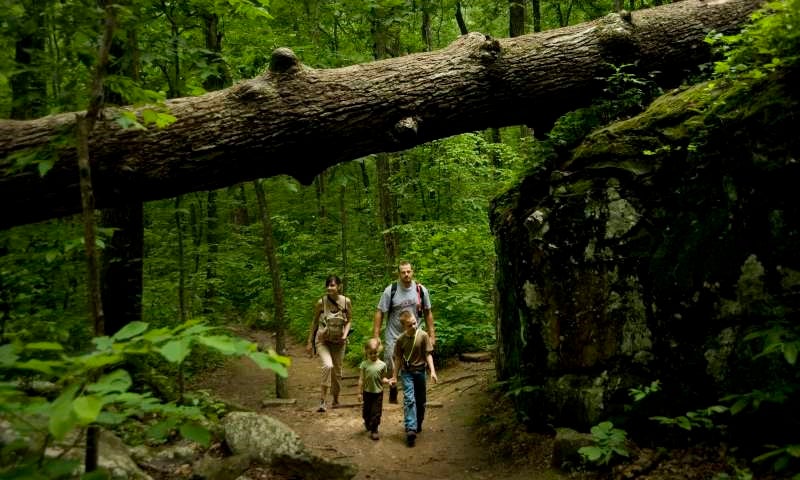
(332, 323)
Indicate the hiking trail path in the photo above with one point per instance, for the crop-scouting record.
(451, 444)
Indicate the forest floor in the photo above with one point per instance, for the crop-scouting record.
(470, 432)
(465, 436)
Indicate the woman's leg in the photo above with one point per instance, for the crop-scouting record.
(337, 358)
(327, 368)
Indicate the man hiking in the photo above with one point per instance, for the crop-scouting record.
(405, 294)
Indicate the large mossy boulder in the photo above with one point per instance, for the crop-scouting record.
(648, 253)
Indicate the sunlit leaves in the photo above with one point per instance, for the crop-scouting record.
(130, 330)
(175, 351)
(85, 402)
(87, 408)
(116, 381)
(62, 415)
(196, 432)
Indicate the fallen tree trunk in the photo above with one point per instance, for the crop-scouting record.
(298, 121)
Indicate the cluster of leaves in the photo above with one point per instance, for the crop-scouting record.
(626, 93)
(769, 43)
(780, 341)
(609, 444)
(93, 388)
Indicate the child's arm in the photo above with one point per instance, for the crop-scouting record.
(429, 359)
(360, 385)
(397, 359)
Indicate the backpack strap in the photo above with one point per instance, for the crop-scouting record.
(420, 299)
(391, 296)
(413, 344)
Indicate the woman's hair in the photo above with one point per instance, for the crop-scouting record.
(333, 278)
(373, 343)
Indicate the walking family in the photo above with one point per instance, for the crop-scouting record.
(407, 350)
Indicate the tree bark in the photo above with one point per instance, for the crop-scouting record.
(271, 252)
(298, 121)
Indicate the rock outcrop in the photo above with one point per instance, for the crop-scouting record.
(648, 253)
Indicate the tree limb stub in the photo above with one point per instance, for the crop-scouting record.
(298, 121)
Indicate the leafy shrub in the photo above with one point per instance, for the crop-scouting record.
(609, 444)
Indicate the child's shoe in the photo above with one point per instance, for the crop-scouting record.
(374, 435)
(322, 406)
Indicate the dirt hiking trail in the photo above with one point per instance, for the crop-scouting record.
(454, 442)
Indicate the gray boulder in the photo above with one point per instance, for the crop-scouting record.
(271, 442)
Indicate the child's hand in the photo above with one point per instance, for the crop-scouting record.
(434, 377)
(360, 398)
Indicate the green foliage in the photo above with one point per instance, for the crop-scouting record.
(625, 95)
(770, 42)
(93, 390)
(517, 386)
(695, 419)
(609, 444)
(639, 394)
(779, 341)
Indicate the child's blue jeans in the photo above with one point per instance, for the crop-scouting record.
(414, 399)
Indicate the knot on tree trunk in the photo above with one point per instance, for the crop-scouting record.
(616, 35)
(283, 60)
(405, 130)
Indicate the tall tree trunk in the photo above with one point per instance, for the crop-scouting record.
(319, 188)
(197, 230)
(221, 77)
(85, 124)
(516, 18)
(516, 28)
(241, 216)
(462, 25)
(536, 11)
(28, 84)
(343, 216)
(386, 211)
(28, 100)
(181, 261)
(270, 250)
(212, 240)
(427, 39)
(122, 266)
(122, 259)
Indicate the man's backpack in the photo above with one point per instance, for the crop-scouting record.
(332, 324)
(420, 311)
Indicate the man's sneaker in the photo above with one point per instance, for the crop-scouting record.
(374, 435)
(411, 437)
(393, 394)
(322, 406)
